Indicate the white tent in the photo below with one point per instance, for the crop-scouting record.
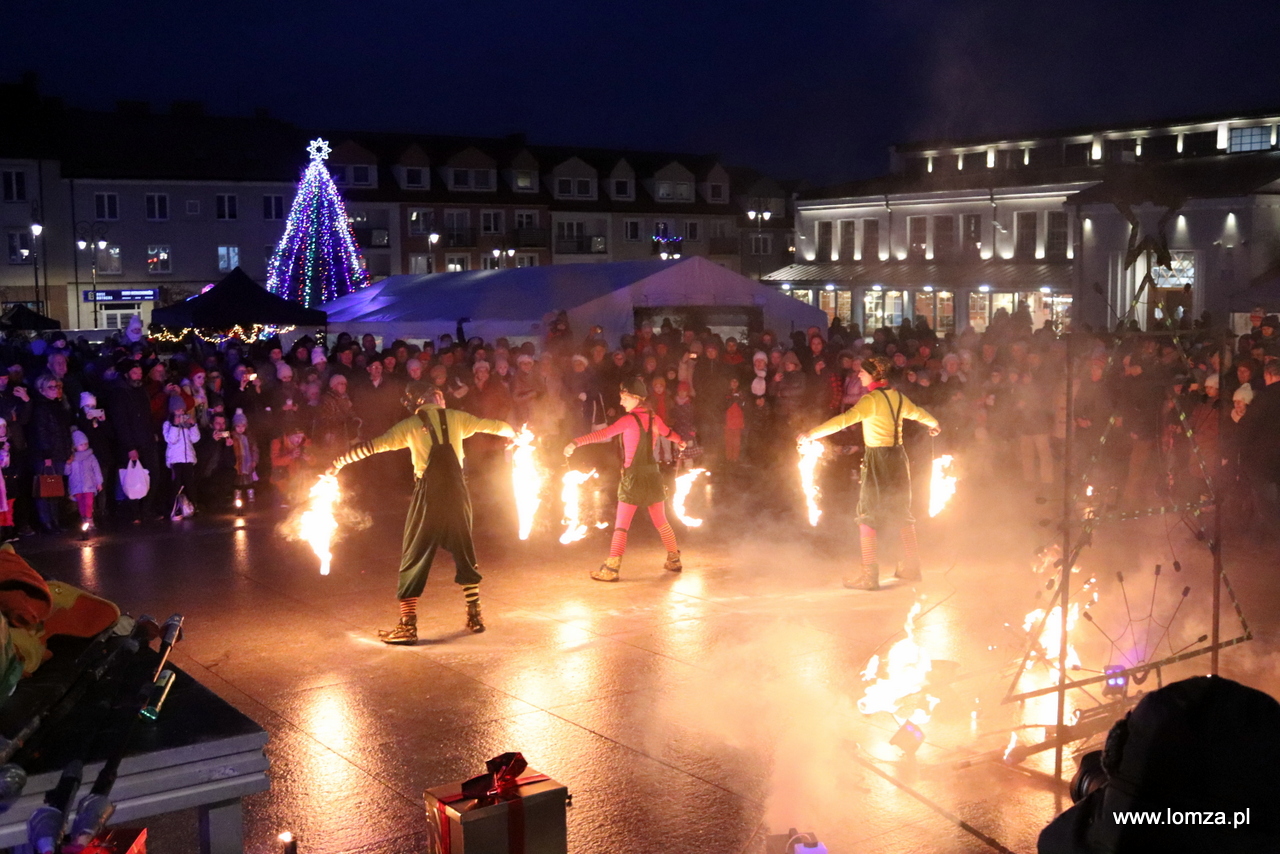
(512, 303)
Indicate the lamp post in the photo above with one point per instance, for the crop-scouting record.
(759, 218)
(36, 229)
(91, 238)
(499, 254)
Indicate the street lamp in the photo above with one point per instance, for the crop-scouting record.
(92, 238)
(498, 255)
(759, 218)
(36, 228)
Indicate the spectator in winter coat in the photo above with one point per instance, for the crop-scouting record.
(129, 416)
(50, 436)
(84, 478)
(180, 436)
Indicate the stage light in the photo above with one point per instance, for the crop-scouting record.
(1115, 686)
(908, 738)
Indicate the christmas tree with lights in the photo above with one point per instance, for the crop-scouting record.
(317, 259)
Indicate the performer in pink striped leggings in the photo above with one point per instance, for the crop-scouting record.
(641, 484)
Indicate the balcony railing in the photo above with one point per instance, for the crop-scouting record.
(724, 246)
(582, 245)
(530, 238)
(456, 238)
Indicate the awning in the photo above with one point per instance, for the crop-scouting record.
(902, 275)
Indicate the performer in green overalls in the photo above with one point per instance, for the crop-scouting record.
(440, 512)
(885, 498)
(641, 483)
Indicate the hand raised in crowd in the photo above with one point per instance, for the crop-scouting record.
(20, 392)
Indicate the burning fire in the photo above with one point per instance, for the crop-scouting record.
(683, 484)
(1049, 644)
(942, 485)
(571, 494)
(906, 669)
(1013, 742)
(810, 453)
(318, 524)
(525, 480)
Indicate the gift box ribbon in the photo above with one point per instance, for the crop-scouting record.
(501, 783)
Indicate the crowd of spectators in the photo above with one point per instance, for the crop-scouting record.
(235, 423)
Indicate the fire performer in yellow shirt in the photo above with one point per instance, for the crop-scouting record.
(440, 512)
(885, 498)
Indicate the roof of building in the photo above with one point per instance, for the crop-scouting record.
(998, 274)
(1169, 184)
(954, 181)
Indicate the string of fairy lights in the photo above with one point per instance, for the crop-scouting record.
(317, 259)
(251, 335)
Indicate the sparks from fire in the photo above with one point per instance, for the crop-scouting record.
(571, 494)
(318, 524)
(683, 484)
(810, 452)
(942, 485)
(525, 480)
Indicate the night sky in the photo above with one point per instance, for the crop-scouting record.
(813, 90)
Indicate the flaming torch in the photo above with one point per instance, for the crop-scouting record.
(318, 524)
(942, 485)
(571, 494)
(525, 480)
(810, 453)
(683, 484)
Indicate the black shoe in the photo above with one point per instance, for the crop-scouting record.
(475, 624)
(868, 578)
(404, 634)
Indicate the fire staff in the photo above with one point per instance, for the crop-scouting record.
(641, 484)
(440, 512)
(885, 498)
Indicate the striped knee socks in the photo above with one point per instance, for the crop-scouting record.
(409, 608)
(867, 535)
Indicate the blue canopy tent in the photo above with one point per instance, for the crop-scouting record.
(512, 303)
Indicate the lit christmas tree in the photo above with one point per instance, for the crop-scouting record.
(317, 259)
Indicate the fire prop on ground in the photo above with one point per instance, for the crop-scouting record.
(906, 672)
(318, 525)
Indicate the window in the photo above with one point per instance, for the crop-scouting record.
(1055, 240)
(1250, 139)
(1024, 245)
(526, 259)
(526, 219)
(720, 228)
(762, 244)
(461, 179)
(664, 191)
(490, 262)
(20, 247)
(482, 179)
(273, 207)
(106, 206)
(715, 192)
(228, 258)
(193, 207)
(362, 176)
(631, 230)
(525, 181)
(944, 236)
(684, 191)
(691, 230)
(457, 263)
(569, 229)
(380, 237)
(564, 187)
(339, 174)
(661, 228)
(871, 240)
(490, 222)
(117, 315)
(158, 259)
(1180, 272)
(15, 185)
(971, 235)
(917, 236)
(421, 263)
(109, 263)
(415, 177)
(583, 187)
(622, 188)
(420, 221)
(157, 206)
(225, 206)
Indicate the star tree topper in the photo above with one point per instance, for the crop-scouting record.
(319, 149)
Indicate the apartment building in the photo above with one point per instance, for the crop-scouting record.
(1106, 225)
(138, 207)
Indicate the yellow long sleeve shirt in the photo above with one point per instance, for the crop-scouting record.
(410, 434)
(874, 412)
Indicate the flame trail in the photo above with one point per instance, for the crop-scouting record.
(906, 672)
(810, 453)
(1013, 742)
(683, 484)
(318, 524)
(942, 485)
(1050, 641)
(571, 495)
(526, 481)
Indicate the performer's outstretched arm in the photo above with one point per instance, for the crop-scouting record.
(392, 440)
(918, 413)
(471, 425)
(860, 411)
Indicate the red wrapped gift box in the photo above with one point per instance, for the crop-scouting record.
(510, 810)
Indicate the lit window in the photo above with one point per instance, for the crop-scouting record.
(109, 263)
(158, 259)
(457, 263)
(526, 219)
(665, 191)
(524, 180)
(1250, 139)
(762, 244)
(420, 220)
(228, 258)
(421, 264)
(526, 259)
(1180, 272)
(20, 247)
